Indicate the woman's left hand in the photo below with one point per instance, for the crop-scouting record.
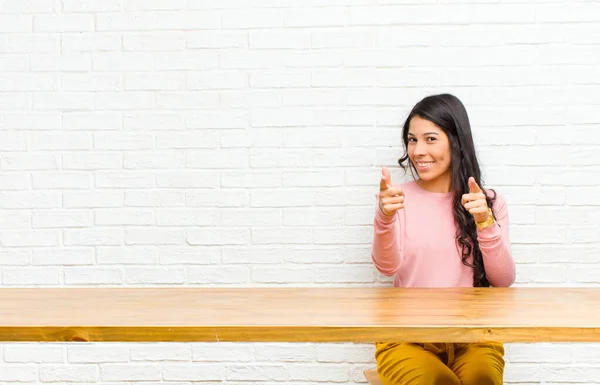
(474, 202)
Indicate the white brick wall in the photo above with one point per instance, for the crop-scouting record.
(239, 143)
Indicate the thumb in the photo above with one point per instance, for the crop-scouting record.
(473, 186)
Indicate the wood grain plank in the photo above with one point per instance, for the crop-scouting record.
(300, 314)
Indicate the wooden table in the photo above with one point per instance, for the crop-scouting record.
(300, 314)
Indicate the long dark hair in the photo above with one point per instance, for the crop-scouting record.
(448, 113)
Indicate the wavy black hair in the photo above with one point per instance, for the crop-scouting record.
(448, 113)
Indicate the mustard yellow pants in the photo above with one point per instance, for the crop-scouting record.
(440, 363)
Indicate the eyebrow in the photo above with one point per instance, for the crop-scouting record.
(426, 133)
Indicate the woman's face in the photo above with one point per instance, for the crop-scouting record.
(429, 150)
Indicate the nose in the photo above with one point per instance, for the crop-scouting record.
(420, 148)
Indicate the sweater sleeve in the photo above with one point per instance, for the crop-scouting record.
(495, 247)
(386, 251)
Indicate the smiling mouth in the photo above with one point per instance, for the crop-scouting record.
(424, 164)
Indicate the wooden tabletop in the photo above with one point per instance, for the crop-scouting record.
(300, 314)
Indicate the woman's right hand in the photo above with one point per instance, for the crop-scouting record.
(391, 199)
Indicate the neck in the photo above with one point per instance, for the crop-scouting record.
(440, 184)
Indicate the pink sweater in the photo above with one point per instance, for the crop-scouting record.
(417, 245)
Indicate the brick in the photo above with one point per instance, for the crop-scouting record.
(294, 158)
(91, 82)
(254, 179)
(251, 217)
(322, 372)
(15, 23)
(117, 255)
(154, 160)
(188, 255)
(129, 372)
(186, 217)
(93, 276)
(257, 373)
(223, 351)
(34, 354)
(122, 61)
(125, 179)
(29, 238)
(63, 101)
(144, 5)
(248, 19)
(171, 100)
(16, 63)
(217, 198)
(67, 256)
(30, 161)
(154, 236)
(152, 121)
(206, 159)
(283, 275)
(31, 43)
(56, 142)
(63, 23)
(155, 276)
(187, 179)
(14, 101)
(353, 274)
(161, 353)
(15, 258)
(93, 199)
(208, 275)
(158, 198)
(282, 235)
(252, 255)
(20, 373)
(216, 80)
(342, 353)
(97, 354)
(15, 219)
(79, 373)
(313, 179)
(313, 217)
(93, 237)
(218, 236)
(193, 372)
(186, 61)
(62, 218)
(297, 352)
(124, 217)
(281, 198)
(32, 82)
(89, 41)
(155, 82)
(92, 161)
(187, 140)
(31, 276)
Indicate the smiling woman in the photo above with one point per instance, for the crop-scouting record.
(441, 230)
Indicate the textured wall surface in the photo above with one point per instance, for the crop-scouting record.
(240, 142)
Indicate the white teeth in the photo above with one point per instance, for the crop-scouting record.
(423, 164)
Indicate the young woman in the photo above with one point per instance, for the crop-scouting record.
(441, 230)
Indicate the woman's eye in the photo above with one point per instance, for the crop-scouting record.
(431, 139)
(412, 140)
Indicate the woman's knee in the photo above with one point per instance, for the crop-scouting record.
(440, 377)
(482, 377)
(417, 374)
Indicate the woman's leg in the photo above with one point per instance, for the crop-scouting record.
(479, 363)
(411, 364)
